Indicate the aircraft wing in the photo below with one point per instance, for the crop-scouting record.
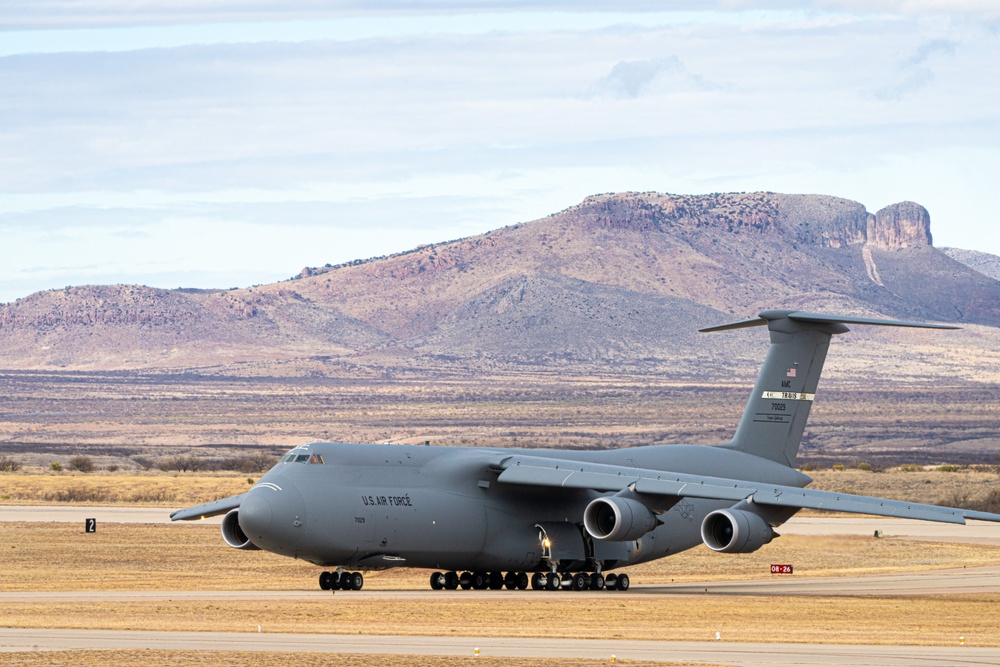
(569, 474)
(214, 508)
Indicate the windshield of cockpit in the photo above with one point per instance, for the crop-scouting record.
(298, 456)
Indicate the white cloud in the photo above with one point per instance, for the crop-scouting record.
(415, 135)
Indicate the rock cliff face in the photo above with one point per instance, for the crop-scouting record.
(818, 220)
(827, 222)
(903, 225)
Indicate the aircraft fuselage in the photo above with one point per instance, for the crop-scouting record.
(378, 506)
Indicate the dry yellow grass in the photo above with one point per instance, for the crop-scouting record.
(192, 556)
(33, 487)
(260, 659)
(125, 488)
(930, 620)
(927, 486)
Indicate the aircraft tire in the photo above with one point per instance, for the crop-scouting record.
(450, 580)
(579, 582)
(536, 581)
(355, 581)
(437, 581)
(521, 581)
(510, 581)
(480, 581)
(325, 581)
(465, 581)
(597, 581)
(496, 581)
(554, 582)
(610, 581)
(622, 582)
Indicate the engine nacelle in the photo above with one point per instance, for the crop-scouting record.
(735, 531)
(617, 519)
(233, 534)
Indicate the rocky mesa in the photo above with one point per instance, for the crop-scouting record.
(625, 277)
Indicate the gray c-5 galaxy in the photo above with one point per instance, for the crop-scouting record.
(493, 518)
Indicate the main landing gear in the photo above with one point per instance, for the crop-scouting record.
(341, 581)
(580, 581)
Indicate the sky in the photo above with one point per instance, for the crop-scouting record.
(219, 144)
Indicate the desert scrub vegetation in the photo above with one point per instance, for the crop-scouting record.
(968, 487)
(81, 463)
(250, 463)
(9, 464)
(119, 489)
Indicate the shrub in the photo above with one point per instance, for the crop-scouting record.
(991, 503)
(8, 464)
(839, 466)
(262, 461)
(911, 467)
(256, 462)
(182, 463)
(961, 499)
(144, 462)
(55, 466)
(867, 467)
(949, 468)
(81, 464)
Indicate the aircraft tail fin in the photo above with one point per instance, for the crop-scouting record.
(775, 416)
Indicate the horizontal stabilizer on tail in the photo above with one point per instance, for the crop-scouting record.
(819, 318)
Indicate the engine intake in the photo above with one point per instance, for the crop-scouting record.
(233, 534)
(617, 519)
(735, 531)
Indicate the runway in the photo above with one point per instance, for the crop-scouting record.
(719, 652)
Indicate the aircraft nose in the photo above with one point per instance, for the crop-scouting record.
(273, 515)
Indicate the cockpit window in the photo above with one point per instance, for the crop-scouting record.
(289, 458)
(317, 458)
(301, 458)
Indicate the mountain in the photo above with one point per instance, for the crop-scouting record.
(623, 278)
(983, 262)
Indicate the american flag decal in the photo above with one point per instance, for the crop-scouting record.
(791, 372)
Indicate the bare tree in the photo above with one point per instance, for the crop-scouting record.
(81, 463)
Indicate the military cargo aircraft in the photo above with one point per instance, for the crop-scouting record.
(553, 519)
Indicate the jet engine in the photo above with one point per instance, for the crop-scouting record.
(617, 519)
(233, 534)
(735, 531)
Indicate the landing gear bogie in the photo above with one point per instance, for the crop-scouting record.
(346, 581)
(538, 581)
